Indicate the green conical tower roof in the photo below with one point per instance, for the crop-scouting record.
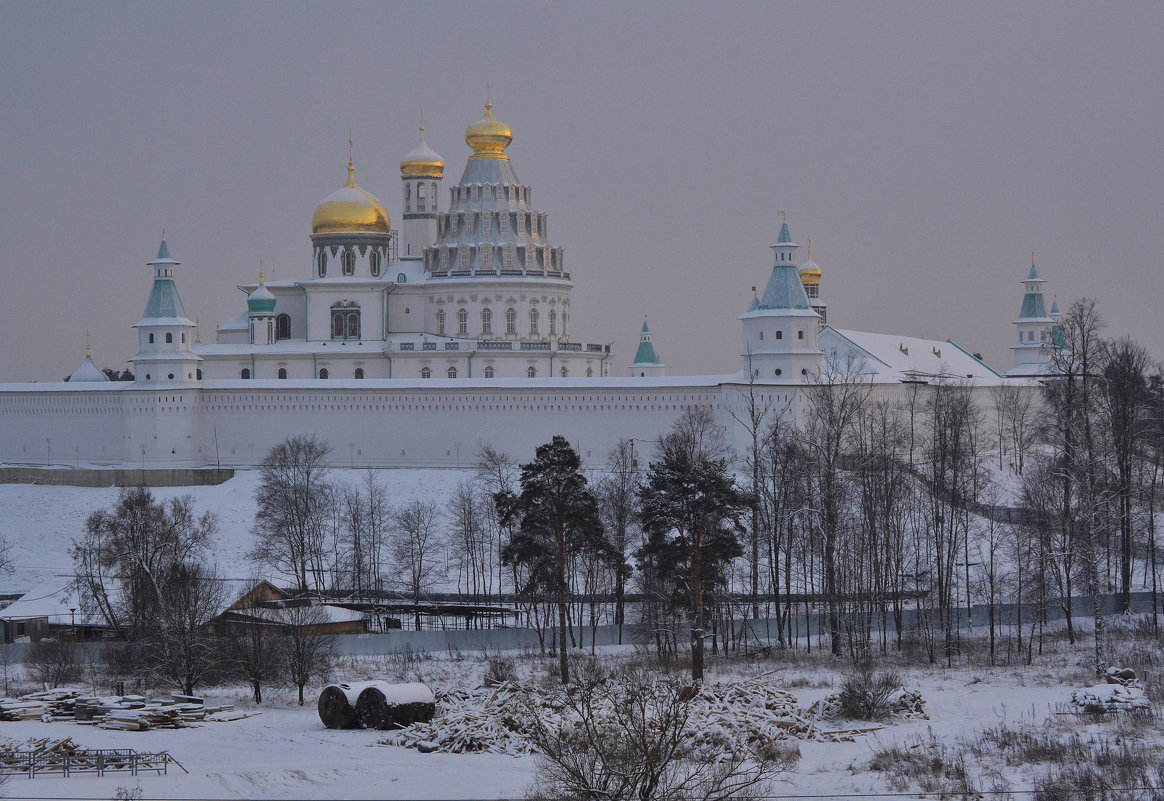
(646, 352)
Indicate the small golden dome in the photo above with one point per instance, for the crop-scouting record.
(810, 273)
(488, 137)
(350, 209)
(422, 161)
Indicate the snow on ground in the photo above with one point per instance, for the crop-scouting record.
(287, 752)
(41, 522)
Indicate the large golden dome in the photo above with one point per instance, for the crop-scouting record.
(422, 161)
(350, 209)
(488, 137)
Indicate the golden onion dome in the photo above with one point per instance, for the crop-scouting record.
(422, 161)
(810, 272)
(488, 137)
(350, 209)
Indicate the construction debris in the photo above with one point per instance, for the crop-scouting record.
(123, 712)
(724, 717)
(1109, 698)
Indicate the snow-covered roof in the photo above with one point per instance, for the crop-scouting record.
(50, 599)
(892, 357)
(88, 372)
(240, 322)
(326, 614)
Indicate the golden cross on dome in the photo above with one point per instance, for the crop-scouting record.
(87, 351)
(349, 147)
(810, 248)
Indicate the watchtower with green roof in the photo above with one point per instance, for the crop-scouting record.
(647, 363)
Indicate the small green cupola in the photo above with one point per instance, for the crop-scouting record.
(261, 300)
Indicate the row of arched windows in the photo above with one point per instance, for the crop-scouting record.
(420, 197)
(348, 262)
(510, 322)
(245, 374)
(169, 338)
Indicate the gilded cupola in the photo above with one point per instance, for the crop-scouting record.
(488, 137)
(810, 271)
(350, 209)
(422, 161)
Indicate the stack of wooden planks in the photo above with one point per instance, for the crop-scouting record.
(124, 712)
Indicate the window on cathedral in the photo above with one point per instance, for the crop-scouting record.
(433, 196)
(425, 372)
(503, 223)
(321, 263)
(408, 197)
(359, 372)
(778, 371)
(151, 339)
(553, 323)
(462, 323)
(565, 372)
(800, 335)
(353, 325)
(533, 322)
(169, 338)
(463, 257)
(486, 224)
(245, 374)
(183, 339)
(283, 326)
(452, 372)
(761, 336)
(510, 322)
(590, 372)
(487, 257)
(531, 372)
(488, 372)
(507, 256)
(323, 372)
(420, 197)
(486, 322)
(374, 262)
(440, 322)
(198, 373)
(780, 335)
(348, 260)
(282, 372)
(345, 320)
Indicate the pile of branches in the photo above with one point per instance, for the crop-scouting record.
(722, 719)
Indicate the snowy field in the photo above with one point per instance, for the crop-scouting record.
(41, 522)
(285, 752)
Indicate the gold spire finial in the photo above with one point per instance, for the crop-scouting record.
(810, 248)
(422, 125)
(87, 351)
(779, 214)
(197, 329)
(260, 269)
(351, 168)
(1032, 258)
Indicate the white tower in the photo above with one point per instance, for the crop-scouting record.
(780, 328)
(1035, 327)
(165, 333)
(421, 171)
(647, 363)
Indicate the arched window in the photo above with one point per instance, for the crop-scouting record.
(183, 338)
(282, 372)
(283, 326)
(553, 323)
(440, 322)
(348, 260)
(462, 322)
(245, 374)
(345, 320)
(452, 372)
(800, 335)
(780, 335)
(169, 338)
(486, 322)
(151, 339)
(323, 372)
(433, 196)
(565, 372)
(425, 372)
(359, 372)
(533, 322)
(408, 197)
(488, 372)
(321, 263)
(374, 262)
(510, 322)
(420, 197)
(531, 372)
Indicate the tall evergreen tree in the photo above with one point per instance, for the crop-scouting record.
(557, 517)
(691, 511)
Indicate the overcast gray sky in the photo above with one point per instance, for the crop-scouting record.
(927, 148)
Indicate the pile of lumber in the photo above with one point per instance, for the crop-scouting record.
(124, 712)
(728, 717)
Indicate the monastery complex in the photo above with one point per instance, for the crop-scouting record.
(411, 347)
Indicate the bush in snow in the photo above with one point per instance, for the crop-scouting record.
(865, 693)
(53, 662)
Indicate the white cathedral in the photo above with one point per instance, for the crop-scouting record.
(415, 347)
